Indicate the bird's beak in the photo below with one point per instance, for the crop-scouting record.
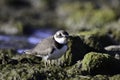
(67, 36)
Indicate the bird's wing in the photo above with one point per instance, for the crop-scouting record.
(45, 47)
(43, 52)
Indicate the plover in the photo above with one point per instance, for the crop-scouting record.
(52, 47)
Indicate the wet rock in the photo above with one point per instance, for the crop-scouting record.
(98, 63)
(114, 50)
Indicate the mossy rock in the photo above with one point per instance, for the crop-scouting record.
(75, 72)
(75, 69)
(33, 72)
(77, 50)
(80, 78)
(100, 77)
(115, 77)
(6, 55)
(24, 67)
(21, 72)
(10, 56)
(97, 39)
(98, 63)
(85, 42)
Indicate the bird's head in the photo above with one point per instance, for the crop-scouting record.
(61, 37)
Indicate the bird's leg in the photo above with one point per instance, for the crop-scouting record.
(45, 62)
(49, 62)
(58, 62)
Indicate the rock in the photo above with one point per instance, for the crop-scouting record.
(75, 69)
(24, 67)
(114, 50)
(80, 77)
(97, 39)
(115, 77)
(77, 50)
(98, 63)
(6, 55)
(85, 42)
(100, 77)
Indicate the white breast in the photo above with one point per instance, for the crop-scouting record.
(58, 53)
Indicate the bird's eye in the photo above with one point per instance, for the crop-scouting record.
(65, 33)
(60, 35)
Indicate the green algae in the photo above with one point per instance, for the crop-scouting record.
(98, 63)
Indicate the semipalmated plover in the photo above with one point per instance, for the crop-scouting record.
(52, 47)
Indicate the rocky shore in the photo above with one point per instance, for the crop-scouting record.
(86, 59)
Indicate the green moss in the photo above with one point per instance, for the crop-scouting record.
(115, 77)
(100, 77)
(98, 63)
(77, 50)
(27, 67)
(97, 39)
(75, 69)
(85, 42)
(6, 55)
(81, 78)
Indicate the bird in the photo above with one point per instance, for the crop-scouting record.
(51, 48)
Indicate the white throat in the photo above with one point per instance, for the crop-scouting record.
(60, 40)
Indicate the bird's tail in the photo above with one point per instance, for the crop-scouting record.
(27, 52)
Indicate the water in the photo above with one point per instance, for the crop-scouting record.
(21, 43)
(38, 35)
